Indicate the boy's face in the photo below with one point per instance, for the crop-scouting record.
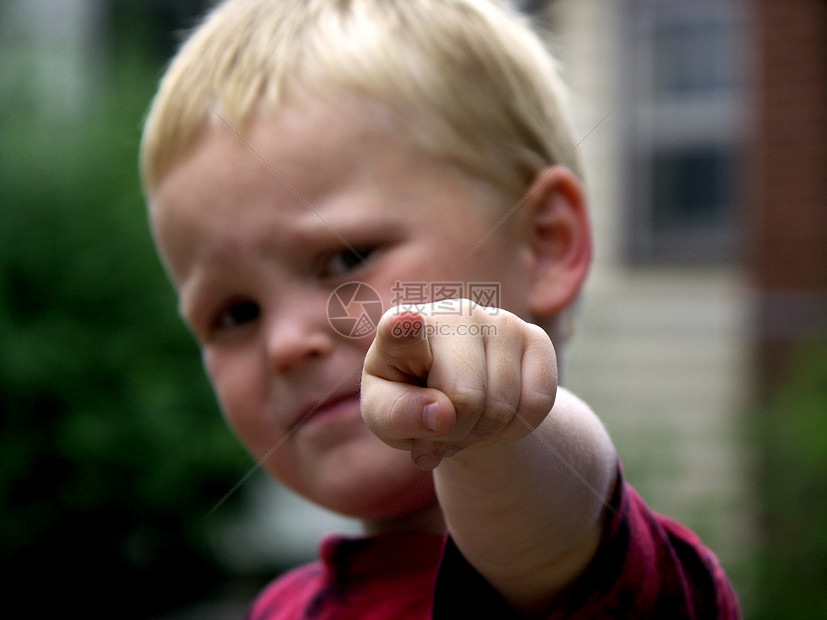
(255, 237)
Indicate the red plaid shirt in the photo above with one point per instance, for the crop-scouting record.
(646, 567)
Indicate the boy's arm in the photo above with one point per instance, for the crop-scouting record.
(528, 514)
(523, 491)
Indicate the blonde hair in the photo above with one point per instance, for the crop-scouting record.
(471, 79)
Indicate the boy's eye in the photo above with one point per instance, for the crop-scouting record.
(237, 313)
(345, 260)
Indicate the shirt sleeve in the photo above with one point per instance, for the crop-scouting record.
(647, 566)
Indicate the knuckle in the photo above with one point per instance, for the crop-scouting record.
(383, 420)
(499, 412)
(467, 399)
(539, 335)
(535, 402)
(508, 326)
(397, 409)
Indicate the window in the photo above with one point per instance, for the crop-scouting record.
(684, 127)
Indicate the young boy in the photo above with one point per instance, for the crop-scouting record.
(300, 148)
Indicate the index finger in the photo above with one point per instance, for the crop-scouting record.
(400, 351)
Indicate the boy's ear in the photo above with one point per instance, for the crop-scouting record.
(560, 240)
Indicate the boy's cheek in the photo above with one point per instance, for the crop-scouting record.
(247, 425)
(230, 393)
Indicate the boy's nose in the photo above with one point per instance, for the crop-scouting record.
(293, 342)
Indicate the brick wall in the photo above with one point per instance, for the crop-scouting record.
(788, 204)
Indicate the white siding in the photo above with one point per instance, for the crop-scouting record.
(660, 353)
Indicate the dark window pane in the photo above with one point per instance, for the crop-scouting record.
(691, 187)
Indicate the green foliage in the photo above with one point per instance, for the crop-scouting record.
(792, 571)
(112, 451)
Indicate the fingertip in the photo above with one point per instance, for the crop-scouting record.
(406, 324)
(427, 462)
(400, 348)
(427, 454)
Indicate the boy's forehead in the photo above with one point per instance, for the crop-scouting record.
(305, 134)
(295, 155)
(294, 159)
(303, 147)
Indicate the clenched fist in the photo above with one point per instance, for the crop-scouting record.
(454, 374)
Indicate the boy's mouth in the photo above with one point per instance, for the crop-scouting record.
(332, 405)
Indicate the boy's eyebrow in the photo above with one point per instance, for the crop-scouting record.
(193, 289)
(188, 296)
(285, 182)
(531, 189)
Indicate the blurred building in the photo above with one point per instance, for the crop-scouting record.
(787, 220)
(661, 97)
(703, 128)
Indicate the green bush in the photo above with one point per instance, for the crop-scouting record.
(112, 451)
(792, 570)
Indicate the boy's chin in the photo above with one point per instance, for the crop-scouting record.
(384, 499)
(424, 516)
